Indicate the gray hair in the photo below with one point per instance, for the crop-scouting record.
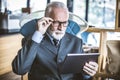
(52, 5)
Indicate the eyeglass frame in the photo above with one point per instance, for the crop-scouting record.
(58, 23)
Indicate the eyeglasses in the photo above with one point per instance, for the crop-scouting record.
(58, 23)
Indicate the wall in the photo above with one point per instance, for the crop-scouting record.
(9, 45)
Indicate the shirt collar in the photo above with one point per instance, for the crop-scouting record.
(51, 37)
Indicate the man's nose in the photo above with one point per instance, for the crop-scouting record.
(60, 27)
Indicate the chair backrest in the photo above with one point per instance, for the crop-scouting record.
(113, 58)
(28, 22)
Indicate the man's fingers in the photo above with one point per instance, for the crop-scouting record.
(43, 24)
(88, 71)
(93, 65)
(45, 21)
(91, 68)
(49, 20)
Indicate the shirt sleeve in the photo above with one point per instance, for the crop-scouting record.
(37, 37)
(87, 77)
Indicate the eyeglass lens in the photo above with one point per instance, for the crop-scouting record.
(58, 23)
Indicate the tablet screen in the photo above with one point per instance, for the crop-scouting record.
(74, 62)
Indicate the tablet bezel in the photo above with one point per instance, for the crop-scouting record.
(74, 62)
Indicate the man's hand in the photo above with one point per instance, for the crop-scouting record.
(43, 24)
(91, 68)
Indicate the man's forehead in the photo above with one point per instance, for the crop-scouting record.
(59, 14)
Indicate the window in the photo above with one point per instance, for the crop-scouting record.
(91, 38)
(15, 5)
(113, 35)
(102, 13)
(79, 8)
(37, 5)
(64, 1)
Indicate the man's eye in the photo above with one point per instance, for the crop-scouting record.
(64, 22)
(55, 22)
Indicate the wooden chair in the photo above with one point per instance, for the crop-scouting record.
(113, 59)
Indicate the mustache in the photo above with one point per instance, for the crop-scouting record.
(56, 32)
(59, 32)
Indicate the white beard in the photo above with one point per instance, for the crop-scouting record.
(56, 34)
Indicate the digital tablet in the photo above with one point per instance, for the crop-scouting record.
(74, 62)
